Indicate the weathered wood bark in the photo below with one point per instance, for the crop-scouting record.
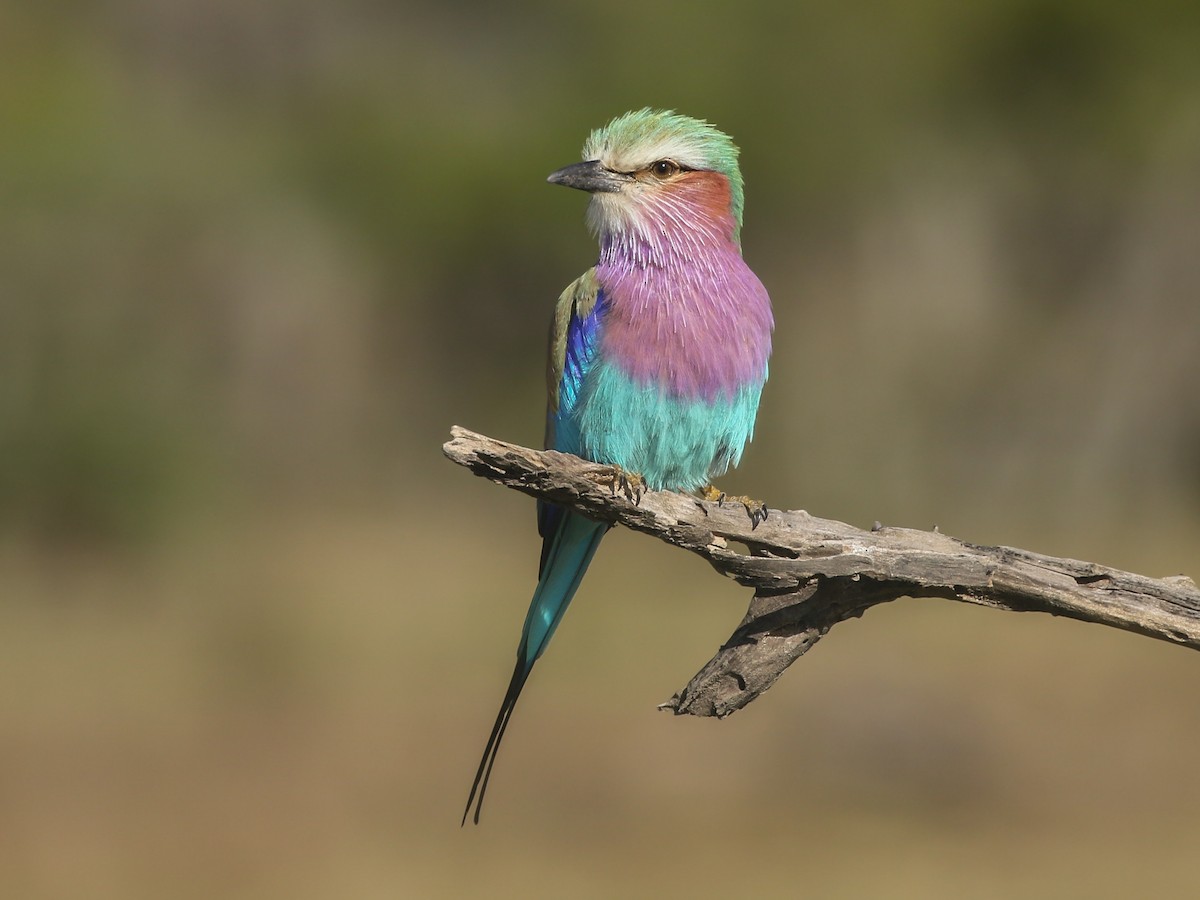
(808, 574)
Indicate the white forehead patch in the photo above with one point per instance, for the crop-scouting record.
(632, 156)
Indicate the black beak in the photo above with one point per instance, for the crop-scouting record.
(589, 176)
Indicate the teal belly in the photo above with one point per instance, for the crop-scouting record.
(673, 443)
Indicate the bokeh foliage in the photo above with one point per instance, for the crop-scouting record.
(237, 238)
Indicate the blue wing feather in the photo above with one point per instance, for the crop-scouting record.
(579, 352)
(574, 339)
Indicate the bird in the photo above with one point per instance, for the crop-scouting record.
(658, 354)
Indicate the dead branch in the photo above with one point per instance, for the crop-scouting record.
(808, 574)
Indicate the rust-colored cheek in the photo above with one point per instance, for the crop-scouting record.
(707, 191)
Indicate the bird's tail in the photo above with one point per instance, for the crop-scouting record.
(569, 551)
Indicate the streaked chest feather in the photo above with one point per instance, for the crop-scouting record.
(697, 331)
(683, 310)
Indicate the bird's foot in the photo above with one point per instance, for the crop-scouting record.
(755, 509)
(631, 484)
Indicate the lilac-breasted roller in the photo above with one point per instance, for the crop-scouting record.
(658, 354)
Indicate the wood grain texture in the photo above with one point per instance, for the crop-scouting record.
(808, 574)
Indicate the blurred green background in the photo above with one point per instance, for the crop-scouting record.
(256, 258)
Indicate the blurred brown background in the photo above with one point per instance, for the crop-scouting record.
(256, 258)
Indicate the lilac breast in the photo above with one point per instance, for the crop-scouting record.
(698, 328)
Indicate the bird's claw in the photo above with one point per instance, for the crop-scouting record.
(630, 484)
(755, 509)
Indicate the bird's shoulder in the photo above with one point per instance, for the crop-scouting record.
(572, 329)
(578, 302)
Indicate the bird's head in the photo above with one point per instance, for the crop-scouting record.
(654, 171)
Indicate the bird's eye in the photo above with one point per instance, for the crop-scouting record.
(664, 168)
